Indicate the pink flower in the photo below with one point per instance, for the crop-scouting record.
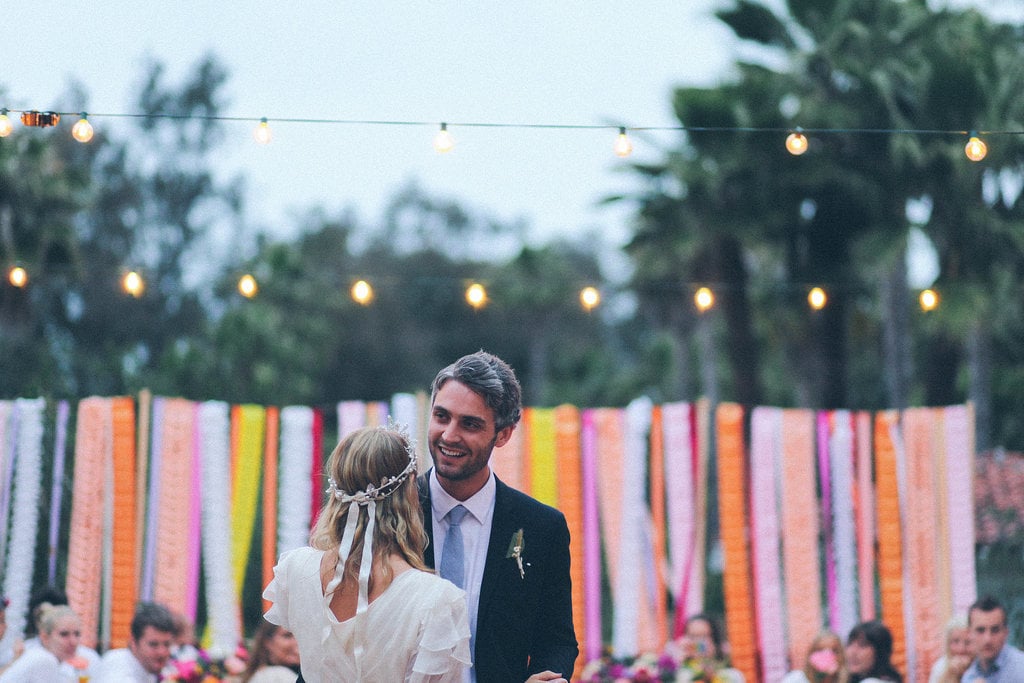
(824, 661)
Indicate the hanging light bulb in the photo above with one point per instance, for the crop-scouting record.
(623, 145)
(929, 300)
(796, 143)
(590, 297)
(133, 284)
(5, 124)
(975, 149)
(362, 292)
(18, 277)
(82, 130)
(262, 132)
(443, 141)
(817, 298)
(247, 286)
(704, 299)
(476, 295)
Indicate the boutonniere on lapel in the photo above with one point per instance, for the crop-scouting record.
(515, 550)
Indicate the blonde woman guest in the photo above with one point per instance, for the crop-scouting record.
(826, 662)
(273, 657)
(59, 633)
(360, 601)
(958, 655)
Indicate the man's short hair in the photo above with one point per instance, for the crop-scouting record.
(986, 603)
(152, 614)
(492, 379)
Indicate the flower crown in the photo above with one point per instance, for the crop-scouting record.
(388, 485)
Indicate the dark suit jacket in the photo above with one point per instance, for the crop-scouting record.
(524, 623)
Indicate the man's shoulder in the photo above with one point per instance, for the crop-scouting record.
(514, 498)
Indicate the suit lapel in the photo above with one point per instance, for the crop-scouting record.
(502, 523)
(423, 482)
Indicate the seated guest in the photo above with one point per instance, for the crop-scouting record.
(273, 657)
(995, 661)
(704, 652)
(148, 651)
(826, 662)
(59, 632)
(86, 659)
(868, 654)
(957, 656)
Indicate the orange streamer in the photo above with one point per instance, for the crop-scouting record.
(570, 502)
(270, 497)
(801, 564)
(657, 460)
(890, 535)
(123, 565)
(732, 506)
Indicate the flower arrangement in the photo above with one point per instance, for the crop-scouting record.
(682, 662)
(205, 668)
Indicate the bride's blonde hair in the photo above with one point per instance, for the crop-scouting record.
(379, 461)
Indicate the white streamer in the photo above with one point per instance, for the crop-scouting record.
(351, 416)
(844, 539)
(295, 463)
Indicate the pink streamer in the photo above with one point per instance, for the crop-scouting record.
(766, 429)
(960, 491)
(679, 493)
(865, 512)
(825, 479)
(591, 538)
(195, 528)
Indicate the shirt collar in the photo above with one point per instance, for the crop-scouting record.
(479, 504)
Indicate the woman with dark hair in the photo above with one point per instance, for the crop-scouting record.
(868, 654)
(704, 652)
(273, 657)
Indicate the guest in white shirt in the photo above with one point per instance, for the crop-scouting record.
(59, 632)
(149, 648)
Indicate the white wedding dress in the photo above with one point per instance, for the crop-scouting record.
(416, 631)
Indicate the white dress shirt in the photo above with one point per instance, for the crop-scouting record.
(476, 534)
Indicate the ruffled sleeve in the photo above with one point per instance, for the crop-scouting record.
(277, 591)
(443, 652)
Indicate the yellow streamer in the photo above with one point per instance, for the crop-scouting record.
(543, 463)
(247, 423)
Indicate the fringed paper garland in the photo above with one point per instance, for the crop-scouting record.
(890, 534)
(592, 638)
(123, 568)
(17, 580)
(153, 501)
(221, 599)
(249, 420)
(405, 410)
(732, 506)
(8, 448)
(510, 462)
(269, 548)
(701, 441)
(351, 416)
(679, 492)
(85, 545)
(544, 476)
(843, 533)
(570, 502)
(294, 476)
(174, 508)
(800, 532)
(658, 522)
(960, 496)
(316, 480)
(921, 553)
(56, 488)
(610, 454)
(632, 626)
(765, 440)
(144, 421)
(195, 534)
(864, 504)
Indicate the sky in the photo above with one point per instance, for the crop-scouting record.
(561, 63)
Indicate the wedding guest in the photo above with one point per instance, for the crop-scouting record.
(825, 663)
(995, 660)
(85, 661)
(361, 602)
(868, 654)
(148, 651)
(273, 657)
(704, 652)
(512, 551)
(59, 633)
(957, 656)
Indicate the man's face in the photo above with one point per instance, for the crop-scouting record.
(152, 649)
(461, 436)
(988, 632)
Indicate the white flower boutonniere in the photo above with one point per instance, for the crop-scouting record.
(515, 550)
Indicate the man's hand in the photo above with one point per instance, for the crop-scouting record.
(546, 676)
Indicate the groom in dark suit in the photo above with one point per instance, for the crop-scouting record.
(514, 550)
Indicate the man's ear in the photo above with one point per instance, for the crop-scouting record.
(503, 436)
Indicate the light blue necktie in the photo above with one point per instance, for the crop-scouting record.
(452, 563)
